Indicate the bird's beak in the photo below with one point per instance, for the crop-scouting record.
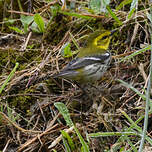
(113, 31)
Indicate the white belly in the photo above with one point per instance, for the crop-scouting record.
(94, 72)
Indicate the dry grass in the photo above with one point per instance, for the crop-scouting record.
(29, 120)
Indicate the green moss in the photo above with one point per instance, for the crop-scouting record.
(22, 101)
(9, 57)
(57, 28)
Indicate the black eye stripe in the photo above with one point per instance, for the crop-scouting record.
(104, 37)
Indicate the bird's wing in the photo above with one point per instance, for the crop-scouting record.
(78, 63)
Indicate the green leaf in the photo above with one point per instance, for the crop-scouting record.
(40, 22)
(133, 7)
(122, 4)
(26, 21)
(66, 135)
(113, 15)
(130, 143)
(34, 28)
(76, 15)
(66, 50)
(65, 112)
(9, 21)
(99, 6)
(16, 29)
(9, 77)
(95, 5)
(131, 12)
(105, 134)
(75, 43)
(134, 89)
(85, 147)
(136, 53)
(104, 4)
(30, 46)
(55, 9)
(67, 148)
(149, 16)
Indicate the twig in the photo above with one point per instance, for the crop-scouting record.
(57, 140)
(16, 126)
(23, 13)
(51, 127)
(141, 69)
(35, 138)
(23, 48)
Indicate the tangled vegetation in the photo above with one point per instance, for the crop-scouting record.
(42, 113)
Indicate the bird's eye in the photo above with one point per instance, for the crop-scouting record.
(104, 37)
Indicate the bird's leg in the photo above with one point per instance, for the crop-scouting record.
(82, 87)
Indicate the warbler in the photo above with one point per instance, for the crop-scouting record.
(92, 61)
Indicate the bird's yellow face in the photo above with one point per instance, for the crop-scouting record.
(98, 43)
